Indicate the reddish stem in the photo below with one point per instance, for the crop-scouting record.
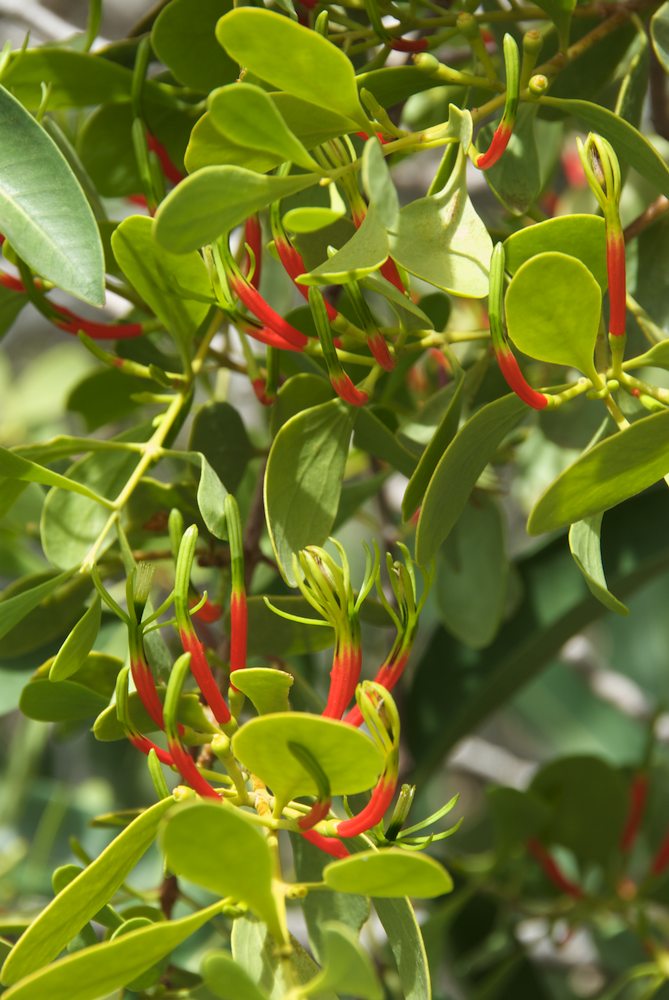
(552, 869)
(409, 44)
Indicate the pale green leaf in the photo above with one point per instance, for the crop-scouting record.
(228, 980)
(581, 236)
(267, 688)
(389, 873)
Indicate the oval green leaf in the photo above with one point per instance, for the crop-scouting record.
(389, 873)
(303, 479)
(226, 979)
(614, 470)
(215, 200)
(184, 39)
(72, 908)
(350, 760)
(553, 308)
(292, 58)
(581, 236)
(248, 116)
(221, 849)
(45, 214)
(267, 688)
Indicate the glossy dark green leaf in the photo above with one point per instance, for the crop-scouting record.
(185, 40)
(442, 240)
(389, 873)
(267, 688)
(317, 71)
(103, 968)
(460, 467)
(65, 915)
(228, 980)
(553, 309)
(248, 116)
(172, 285)
(219, 433)
(442, 437)
(614, 470)
(201, 830)
(348, 757)
(73, 653)
(651, 283)
(215, 200)
(372, 435)
(555, 605)
(104, 396)
(516, 178)
(55, 614)
(296, 394)
(585, 546)
(45, 214)
(630, 145)
(472, 574)
(303, 478)
(659, 33)
(105, 147)
(580, 236)
(588, 802)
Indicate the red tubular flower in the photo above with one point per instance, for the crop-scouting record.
(552, 869)
(409, 44)
(292, 261)
(344, 676)
(261, 309)
(15, 284)
(146, 689)
(661, 859)
(146, 746)
(264, 335)
(318, 811)
(171, 172)
(189, 772)
(388, 675)
(253, 239)
(203, 676)
(347, 391)
(379, 349)
(373, 812)
(516, 380)
(330, 845)
(259, 389)
(504, 130)
(637, 808)
(379, 135)
(209, 612)
(238, 609)
(498, 144)
(615, 265)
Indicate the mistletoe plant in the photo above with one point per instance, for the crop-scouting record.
(289, 334)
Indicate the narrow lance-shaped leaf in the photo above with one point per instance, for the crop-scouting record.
(43, 210)
(72, 654)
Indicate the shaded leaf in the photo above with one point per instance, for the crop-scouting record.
(585, 546)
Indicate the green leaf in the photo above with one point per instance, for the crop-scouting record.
(45, 214)
(165, 281)
(108, 727)
(364, 253)
(267, 688)
(105, 147)
(311, 124)
(226, 979)
(378, 184)
(627, 141)
(316, 70)
(389, 873)
(71, 523)
(553, 308)
(77, 79)
(659, 33)
(215, 200)
(350, 760)
(276, 975)
(210, 499)
(72, 908)
(248, 116)
(560, 12)
(298, 393)
(200, 831)
(54, 616)
(585, 547)
(303, 479)
(516, 816)
(12, 466)
(372, 435)
(516, 179)
(308, 220)
(588, 802)
(442, 240)
(406, 944)
(459, 469)
(219, 433)
(184, 39)
(581, 236)
(632, 94)
(13, 609)
(104, 396)
(84, 697)
(73, 653)
(207, 147)
(103, 968)
(442, 437)
(346, 967)
(321, 907)
(472, 574)
(614, 470)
